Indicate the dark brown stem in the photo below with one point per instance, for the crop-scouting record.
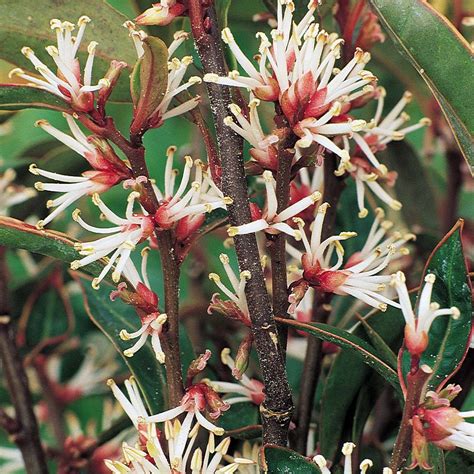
(277, 408)
(135, 153)
(416, 382)
(25, 434)
(277, 245)
(333, 187)
(171, 272)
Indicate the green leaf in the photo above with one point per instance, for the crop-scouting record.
(419, 210)
(449, 337)
(14, 97)
(446, 65)
(279, 460)
(24, 23)
(348, 374)
(149, 80)
(111, 317)
(348, 341)
(19, 235)
(459, 460)
(382, 347)
(239, 416)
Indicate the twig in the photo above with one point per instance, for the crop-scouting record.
(333, 187)
(170, 264)
(416, 381)
(277, 246)
(26, 435)
(310, 375)
(277, 408)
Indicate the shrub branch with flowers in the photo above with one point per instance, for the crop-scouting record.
(334, 332)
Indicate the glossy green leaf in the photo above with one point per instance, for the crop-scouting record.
(449, 337)
(24, 23)
(279, 460)
(241, 421)
(24, 97)
(379, 344)
(346, 377)
(19, 235)
(149, 80)
(348, 341)
(459, 460)
(419, 209)
(446, 66)
(111, 317)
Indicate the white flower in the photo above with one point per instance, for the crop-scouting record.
(417, 327)
(271, 221)
(247, 390)
(107, 170)
(311, 92)
(263, 146)
(364, 166)
(186, 207)
(180, 436)
(133, 406)
(295, 51)
(380, 132)
(236, 307)
(176, 71)
(462, 434)
(347, 450)
(97, 365)
(182, 455)
(12, 460)
(152, 325)
(11, 194)
(360, 276)
(127, 233)
(68, 83)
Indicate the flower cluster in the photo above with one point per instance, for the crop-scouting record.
(174, 450)
(435, 421)
(107, 169)
(69, 84)
(176, 71)
(296, 68)
(360, 275)
(347, 450)
(269, 219)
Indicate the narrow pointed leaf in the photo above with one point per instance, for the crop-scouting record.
(380, 345)
(349, 342)
(14, 97)
(348, 375)
(448, 337)
(446, 67)
(279, 460)
(149, 81)
(19, 235)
